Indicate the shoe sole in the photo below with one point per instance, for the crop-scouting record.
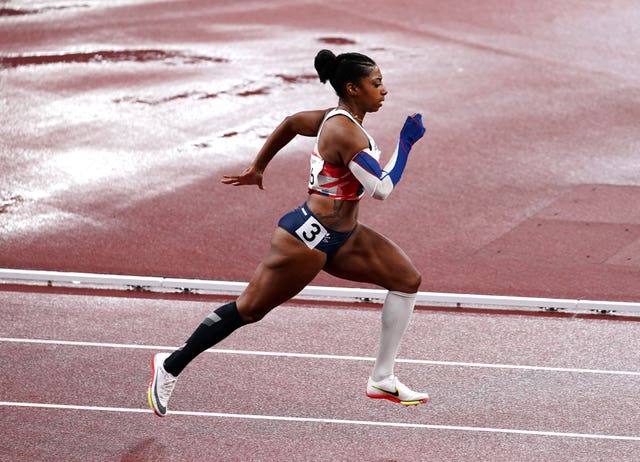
(393, 399)
(152, 403)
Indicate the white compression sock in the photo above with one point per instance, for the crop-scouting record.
(396, 313)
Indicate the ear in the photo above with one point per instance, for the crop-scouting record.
(352, 89)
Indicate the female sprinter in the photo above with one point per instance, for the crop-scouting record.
(324, 233)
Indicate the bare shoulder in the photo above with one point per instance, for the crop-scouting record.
(307, 123)
(341, 139)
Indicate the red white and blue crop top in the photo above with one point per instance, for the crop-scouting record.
(337, 181)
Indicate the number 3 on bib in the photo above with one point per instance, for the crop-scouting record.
(311, 232)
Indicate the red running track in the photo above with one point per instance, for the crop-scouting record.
(119, 118)
(117, 121)
(503, 387)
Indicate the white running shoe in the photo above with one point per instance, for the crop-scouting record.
(161, 385)
(392, 389)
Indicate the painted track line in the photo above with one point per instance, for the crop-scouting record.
(322, 356)
(370, 423)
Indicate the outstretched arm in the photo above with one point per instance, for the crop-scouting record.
(306, 123)
(380, 182)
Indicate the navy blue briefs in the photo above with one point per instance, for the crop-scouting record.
(303, 224)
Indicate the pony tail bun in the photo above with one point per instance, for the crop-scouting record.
(325, 64)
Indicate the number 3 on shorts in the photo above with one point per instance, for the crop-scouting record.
(311, 232)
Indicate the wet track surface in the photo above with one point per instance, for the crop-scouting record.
(117, 121)
(120, 118)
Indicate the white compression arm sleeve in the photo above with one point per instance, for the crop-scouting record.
(378, 182)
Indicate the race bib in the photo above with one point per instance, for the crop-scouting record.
(311, 232)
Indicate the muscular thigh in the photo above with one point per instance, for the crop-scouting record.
(369, 256)
(286, 269)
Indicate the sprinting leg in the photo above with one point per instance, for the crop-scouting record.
(213, 329)
(396, 312)
(370, 257)
(383, 384)
(288, 267)
(166, 367)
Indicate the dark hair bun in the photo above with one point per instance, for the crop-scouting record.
(325, 64)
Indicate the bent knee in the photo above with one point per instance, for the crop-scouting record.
(409, 283)
(413, 282)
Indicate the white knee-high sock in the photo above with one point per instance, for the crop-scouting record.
(396, 312)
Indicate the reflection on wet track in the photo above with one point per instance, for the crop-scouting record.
(108, 56)
(118, 119)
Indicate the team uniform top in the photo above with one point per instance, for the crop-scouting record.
(337, 181)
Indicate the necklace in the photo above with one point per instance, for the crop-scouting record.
(348, 109)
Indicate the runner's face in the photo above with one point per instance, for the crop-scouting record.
(372, 91)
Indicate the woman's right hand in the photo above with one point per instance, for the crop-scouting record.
(413, 129)
(248, 177)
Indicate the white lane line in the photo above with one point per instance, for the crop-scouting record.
(326, 421)
(323, 356)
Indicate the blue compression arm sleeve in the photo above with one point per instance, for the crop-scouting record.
(411, 132)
